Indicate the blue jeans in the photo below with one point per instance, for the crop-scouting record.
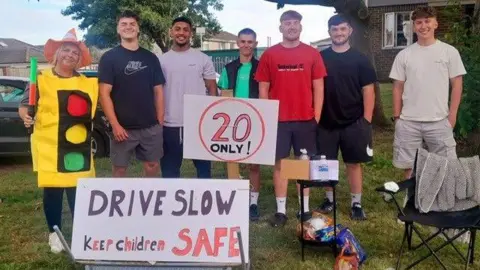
(171, 161)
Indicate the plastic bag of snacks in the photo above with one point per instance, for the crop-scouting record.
(326, 234)
(346, 261)
(346, 240)
(311, 226)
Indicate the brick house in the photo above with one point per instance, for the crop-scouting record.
(390, 28)
(15, 57)
(221, 41)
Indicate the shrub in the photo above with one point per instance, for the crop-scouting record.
(466, 38)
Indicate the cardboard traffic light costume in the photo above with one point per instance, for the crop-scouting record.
(61, 141)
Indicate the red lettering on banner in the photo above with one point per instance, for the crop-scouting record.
(183, 235)
(219, 233)
(95, 245)
(109, 243)
(128, 244)
(217, 137)
(205, 243)
(202, 241)
(241, 117)
(232, 251)
(161, 245)
(147, 244)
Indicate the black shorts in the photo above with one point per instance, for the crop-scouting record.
(354, 141)
(299, 135)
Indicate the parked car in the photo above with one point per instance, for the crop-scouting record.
(14, 139)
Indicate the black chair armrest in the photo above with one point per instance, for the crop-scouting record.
(403, 185)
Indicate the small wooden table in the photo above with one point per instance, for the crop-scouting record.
(310, 184)
(299, 171)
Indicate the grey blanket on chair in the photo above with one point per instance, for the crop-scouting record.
(444, 184)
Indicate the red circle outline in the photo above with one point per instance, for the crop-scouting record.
(234, 100)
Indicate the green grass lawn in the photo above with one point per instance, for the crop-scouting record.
(24, 237)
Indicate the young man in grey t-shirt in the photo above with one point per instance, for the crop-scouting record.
(187, 71)
(422, 73)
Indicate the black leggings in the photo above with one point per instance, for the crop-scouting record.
(53, 202)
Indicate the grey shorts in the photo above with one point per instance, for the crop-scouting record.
(436, 137)
(147, 144)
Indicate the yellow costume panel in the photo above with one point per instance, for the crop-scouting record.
(61, 141)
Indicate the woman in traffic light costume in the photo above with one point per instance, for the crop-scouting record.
(61, 141)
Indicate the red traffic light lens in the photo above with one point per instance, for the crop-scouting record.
(77, 105)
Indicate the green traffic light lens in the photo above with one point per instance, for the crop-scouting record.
(74, 161)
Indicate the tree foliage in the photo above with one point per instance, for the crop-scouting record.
(98, 17)
(464, 34)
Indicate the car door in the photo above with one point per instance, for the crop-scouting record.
(14, 139)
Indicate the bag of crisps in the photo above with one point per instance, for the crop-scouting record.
(311, 226)
(346, 239)
(346, 262)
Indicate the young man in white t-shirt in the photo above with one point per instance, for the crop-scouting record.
(187, 71)
(422, 73)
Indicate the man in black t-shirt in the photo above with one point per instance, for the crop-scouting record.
(347, 111)
(131, 94)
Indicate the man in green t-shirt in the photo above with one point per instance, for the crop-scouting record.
(238, 76)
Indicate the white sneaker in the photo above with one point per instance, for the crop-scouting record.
(55, 243)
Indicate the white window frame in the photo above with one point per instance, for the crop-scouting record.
(390, 19)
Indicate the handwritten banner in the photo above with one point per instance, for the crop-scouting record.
(230, 129)
(164, 220)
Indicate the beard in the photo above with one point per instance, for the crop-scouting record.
(292, 38)
(340, 43)
(181, 43)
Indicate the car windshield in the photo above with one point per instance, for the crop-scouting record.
(10, 93)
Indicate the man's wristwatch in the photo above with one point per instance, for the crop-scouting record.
(395, 118)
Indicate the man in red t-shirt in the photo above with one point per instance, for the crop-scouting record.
(292, 72)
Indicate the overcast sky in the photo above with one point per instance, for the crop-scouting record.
(34, 22)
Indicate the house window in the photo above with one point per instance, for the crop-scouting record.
(206, 46)
(397, 30)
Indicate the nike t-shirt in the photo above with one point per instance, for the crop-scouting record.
(133, 75)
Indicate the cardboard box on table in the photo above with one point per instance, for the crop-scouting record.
(295, 169)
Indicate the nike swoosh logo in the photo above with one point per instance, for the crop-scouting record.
(369, 151)
(132, 71)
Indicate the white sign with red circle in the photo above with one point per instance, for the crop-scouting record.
(230, 129)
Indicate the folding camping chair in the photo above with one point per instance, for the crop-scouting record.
(463, 221)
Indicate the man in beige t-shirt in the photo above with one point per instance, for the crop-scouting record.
(421, 74)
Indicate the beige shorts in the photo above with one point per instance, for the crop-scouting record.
(436, 137)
